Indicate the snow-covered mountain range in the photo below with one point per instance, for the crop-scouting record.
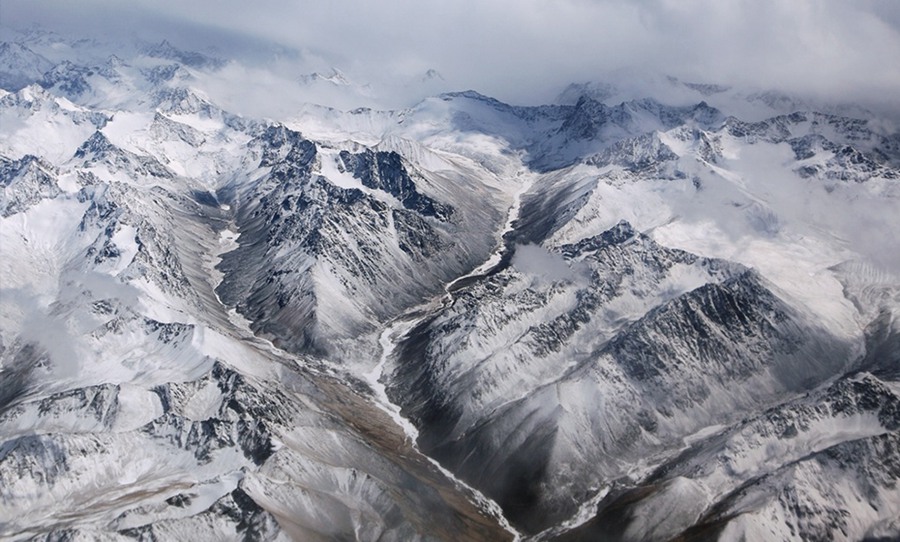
(613, 317)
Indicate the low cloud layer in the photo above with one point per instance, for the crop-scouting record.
(524, 51)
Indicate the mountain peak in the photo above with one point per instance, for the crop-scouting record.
(335, 77)
(96, 145)
(432, 75)
(20, 66)
(193, 59)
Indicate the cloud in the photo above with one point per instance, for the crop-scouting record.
(39, 326)
(524, 51)
(545, 267)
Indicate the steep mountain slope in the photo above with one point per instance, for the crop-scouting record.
(334, 242)
(556, 390)
(559, 395)
(824, 465)
(134, 402)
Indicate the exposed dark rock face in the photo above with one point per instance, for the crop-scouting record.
(25, 182)
(641, 385)
(385, 171)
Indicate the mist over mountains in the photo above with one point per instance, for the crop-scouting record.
(277, 275)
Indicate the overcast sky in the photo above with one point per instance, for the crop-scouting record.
(520, 50)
